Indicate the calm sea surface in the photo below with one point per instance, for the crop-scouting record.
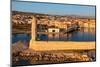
(84, 34)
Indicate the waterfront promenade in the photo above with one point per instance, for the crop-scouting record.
(53, 45)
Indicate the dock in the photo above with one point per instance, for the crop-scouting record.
(56, 45)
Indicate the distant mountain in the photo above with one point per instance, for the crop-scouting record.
(77, 16)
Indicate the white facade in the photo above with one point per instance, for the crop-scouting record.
(56, 30)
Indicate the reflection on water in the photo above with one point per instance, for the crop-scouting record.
(21, 37)
(83, 34)
(87, 30)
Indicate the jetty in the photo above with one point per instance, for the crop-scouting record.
(55, 45)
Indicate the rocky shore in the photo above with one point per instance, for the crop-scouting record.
(22, 55)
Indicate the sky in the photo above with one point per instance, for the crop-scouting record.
(53, 9)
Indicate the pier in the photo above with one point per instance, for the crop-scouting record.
(55, 45)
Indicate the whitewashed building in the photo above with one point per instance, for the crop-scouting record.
(53, 30)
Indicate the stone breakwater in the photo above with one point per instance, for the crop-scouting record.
(34, 57)
(26, 56)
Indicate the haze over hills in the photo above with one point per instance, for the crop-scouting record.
(72, 16)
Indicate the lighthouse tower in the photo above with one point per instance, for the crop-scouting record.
(33, 32)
